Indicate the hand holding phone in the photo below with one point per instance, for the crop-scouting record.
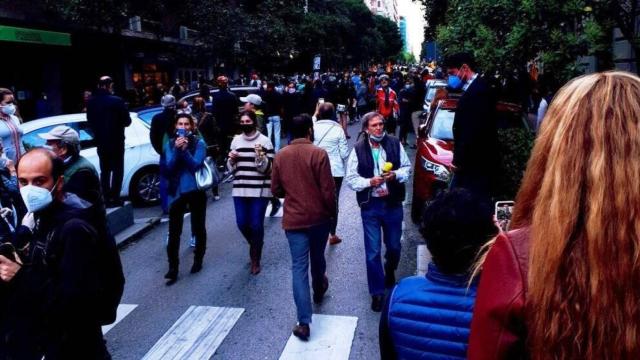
(503, 212)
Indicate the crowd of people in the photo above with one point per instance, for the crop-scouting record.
(560, 284)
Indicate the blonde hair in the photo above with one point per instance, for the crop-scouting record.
(580, 197)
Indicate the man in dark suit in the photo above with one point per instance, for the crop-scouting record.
(474, 127)
(107, 116)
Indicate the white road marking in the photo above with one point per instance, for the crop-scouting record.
(122, 312)
(423, 259)
(331, 338)
(197, 334)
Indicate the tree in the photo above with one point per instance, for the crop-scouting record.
(506, 34)
(622, 14)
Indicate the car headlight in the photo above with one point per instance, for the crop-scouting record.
(440, 171)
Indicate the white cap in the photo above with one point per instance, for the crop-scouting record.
(255, 99)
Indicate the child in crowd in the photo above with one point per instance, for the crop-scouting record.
(431, 315)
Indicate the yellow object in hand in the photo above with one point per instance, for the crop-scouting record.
(387, 167)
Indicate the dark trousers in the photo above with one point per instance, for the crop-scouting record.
(197, 203)
(111, 172)
(250, 218)
(390, 125)
(334, 223)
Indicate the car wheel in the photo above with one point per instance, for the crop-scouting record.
(145, 186)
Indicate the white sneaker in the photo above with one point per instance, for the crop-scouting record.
(192, 242)
(216, 198)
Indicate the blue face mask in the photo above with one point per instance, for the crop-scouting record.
(454, 82)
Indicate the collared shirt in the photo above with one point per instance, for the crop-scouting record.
(359, 183)
(466, 86)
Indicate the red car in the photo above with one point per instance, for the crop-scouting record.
(432, 169)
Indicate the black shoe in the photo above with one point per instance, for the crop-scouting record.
(302, 331)
(171, 276)
(197, 266)
(376, 303)
(318, 295)
(275, 206)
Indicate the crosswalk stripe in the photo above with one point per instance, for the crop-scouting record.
(197, 334)
(331, 338)
(122, 312)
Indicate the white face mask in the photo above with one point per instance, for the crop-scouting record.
(8, 109)
(36, 198)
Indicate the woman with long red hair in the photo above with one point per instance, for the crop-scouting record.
(566, 283)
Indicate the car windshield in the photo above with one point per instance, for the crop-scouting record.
(147, 115)
(442, 127)
(431, 93)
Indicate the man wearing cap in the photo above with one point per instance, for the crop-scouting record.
(80, 176)
(387, 104)
(224, 105)
(252, 102)
(107, 116)
(161, 123)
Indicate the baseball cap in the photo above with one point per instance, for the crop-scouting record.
(252, 98)
(62, 133)
(384, 77)
(168, 101)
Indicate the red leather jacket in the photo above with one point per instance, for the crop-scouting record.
(498, 329)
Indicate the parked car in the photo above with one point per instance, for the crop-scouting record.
(432, 86)
(146, 113)
(433, 169)
(141, 172)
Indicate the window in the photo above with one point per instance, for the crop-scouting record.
(32, 140)
(442, 127)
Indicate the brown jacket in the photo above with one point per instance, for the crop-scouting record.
(301, 175)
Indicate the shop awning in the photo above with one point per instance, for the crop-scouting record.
(33, 36)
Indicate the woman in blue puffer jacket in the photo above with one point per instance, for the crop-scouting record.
(428, 317)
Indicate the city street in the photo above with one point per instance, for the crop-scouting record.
(223, 312)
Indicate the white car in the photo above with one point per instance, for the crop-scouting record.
(141, 181)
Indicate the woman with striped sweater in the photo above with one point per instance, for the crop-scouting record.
(250, 160)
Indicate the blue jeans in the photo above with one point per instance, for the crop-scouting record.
(250, 218)
(378, 218)
(273, 127)
(304, 244)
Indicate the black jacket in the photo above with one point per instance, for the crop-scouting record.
(49, 306)
(474, 130)
(224, 105)
(107, 115)
(160, 126)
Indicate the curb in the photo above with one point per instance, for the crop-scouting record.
(135, 231)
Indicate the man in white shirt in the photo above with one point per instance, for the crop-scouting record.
(377, 169)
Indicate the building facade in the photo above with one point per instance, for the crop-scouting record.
(386, 8)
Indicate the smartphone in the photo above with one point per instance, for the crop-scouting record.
(503, 211)
(341, 108)
(181, 132)
(321, 101)
(8, 250)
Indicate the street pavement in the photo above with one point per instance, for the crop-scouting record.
(223, 312)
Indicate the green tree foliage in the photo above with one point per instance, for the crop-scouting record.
(506, 34)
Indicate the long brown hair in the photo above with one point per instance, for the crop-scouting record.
(580, 197)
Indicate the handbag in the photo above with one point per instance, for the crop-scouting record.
(207, 175)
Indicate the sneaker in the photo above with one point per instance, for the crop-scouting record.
(302, 331)
(192, 242)
(216, 197)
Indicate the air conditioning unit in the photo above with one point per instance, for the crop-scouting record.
(184, 33)
(135, 23)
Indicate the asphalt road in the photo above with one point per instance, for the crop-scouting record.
(262, 331)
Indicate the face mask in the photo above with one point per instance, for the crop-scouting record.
(377, 138)
(36, 198)
(8, 109)
(292, 91)
(247, 128)
(407, 86)
(454, 82)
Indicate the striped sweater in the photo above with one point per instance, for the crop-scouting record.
(251, 179)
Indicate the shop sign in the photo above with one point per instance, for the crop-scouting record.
(33, 36)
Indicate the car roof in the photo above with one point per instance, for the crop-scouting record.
(501, 106)
(59, 119)
(215, 89)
